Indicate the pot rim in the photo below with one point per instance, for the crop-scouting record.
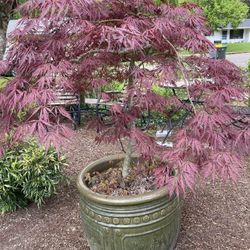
(116, 200)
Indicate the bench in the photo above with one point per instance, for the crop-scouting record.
(70, 101)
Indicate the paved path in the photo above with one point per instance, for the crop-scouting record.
(240, 60)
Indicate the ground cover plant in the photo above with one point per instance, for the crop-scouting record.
(28, 173)
(83, 45)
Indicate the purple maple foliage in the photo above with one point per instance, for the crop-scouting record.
(80, 45)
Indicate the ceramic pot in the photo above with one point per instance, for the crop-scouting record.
(149, 221)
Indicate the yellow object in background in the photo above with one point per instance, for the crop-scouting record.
(218, 45)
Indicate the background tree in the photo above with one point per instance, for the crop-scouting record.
(220, 13)
(248, 4)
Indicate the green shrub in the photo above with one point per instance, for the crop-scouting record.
(162, 91)
(114, 86)
(28, 173)
(3, 81)
(167, 92)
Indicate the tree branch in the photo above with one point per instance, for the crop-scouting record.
(182, 72)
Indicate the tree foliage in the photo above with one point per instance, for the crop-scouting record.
(248, 4)
(220, 13)
(80, 45)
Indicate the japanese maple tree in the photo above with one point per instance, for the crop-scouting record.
(80, 45)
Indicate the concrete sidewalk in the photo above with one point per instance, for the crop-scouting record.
(240, 60)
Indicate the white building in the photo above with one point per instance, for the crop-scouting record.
(231, 35)
(11, 27)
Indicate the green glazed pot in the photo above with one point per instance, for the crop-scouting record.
(141, 222)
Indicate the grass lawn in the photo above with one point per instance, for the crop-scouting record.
(238, 47)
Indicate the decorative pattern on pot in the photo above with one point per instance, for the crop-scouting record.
(155, 231)
(143, 219)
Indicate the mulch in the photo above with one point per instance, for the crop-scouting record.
(214, 217)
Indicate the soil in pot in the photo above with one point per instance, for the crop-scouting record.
(140, 180)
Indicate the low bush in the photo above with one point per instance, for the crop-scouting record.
(114, 86)
(3, 81)
(28, 173)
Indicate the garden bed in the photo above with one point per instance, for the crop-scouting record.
(213, 218)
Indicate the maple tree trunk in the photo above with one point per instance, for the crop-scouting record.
(127, 159)
(129, 151)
